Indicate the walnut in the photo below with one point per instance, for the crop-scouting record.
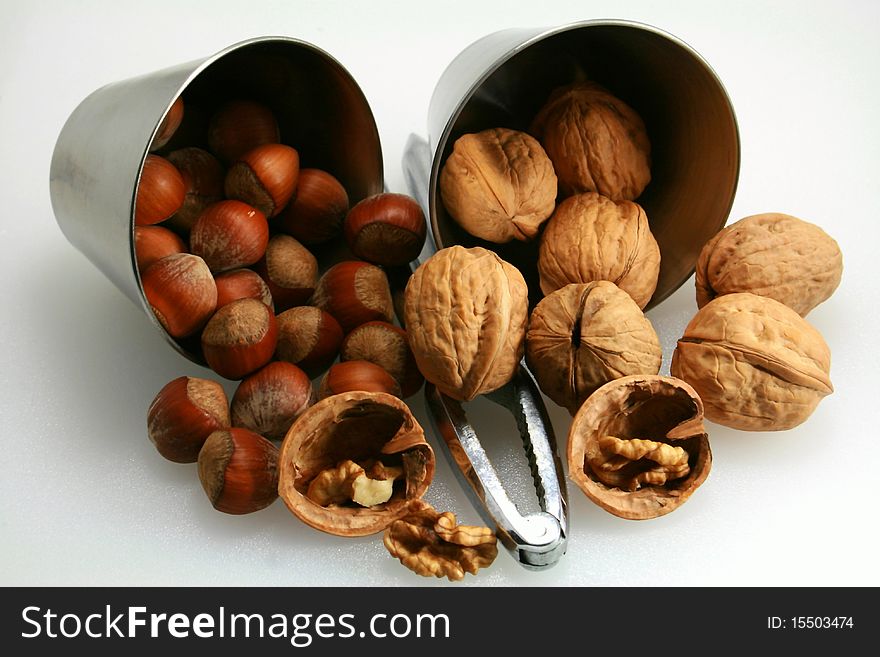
(591, 238)
(498, 185)
(431, 544)
(638, 448)
(757, 364)
(466, 312)
(317, 484)
(597, 143)
(584, 335)
(771, 255)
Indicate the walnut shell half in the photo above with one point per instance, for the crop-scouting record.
(756, 363)
(584, 335)
(638, 447)
(498, 185)
(466, 312)
(597, 143)
(363, 427)
(592, 238)
(772, 255)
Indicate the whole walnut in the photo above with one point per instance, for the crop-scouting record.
(756, 363)
(592, 238)
(466, 312)
(498, 185)
(772, 255)
(597, 143)
(584, 335)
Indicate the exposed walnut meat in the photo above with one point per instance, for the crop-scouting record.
(466, 312)
(756, 363)
(361, 447)
(592, 238)
(597, 143)
(498, 185)
(638, 448)
(431, 544)
(772, 255)
(582, 336)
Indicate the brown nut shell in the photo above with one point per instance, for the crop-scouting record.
(499, 185)
(597, 143)
(308, 337)
(385, 345)
(646, 419)
(772, 255)
(356, 426)
(592, 238)
(756, 363)
(581, 337)
(466, 312)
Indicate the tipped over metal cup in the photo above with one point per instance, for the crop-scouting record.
(100, 153)
(503, 79)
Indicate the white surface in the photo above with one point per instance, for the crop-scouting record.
(84, 497)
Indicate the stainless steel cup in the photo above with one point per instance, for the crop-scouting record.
(101, 150)
(502, 80)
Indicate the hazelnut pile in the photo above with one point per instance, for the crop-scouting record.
(748, 359)
(231, 237)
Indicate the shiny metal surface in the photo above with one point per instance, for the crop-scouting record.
(503, 79)
(536, 540)
(101, 149)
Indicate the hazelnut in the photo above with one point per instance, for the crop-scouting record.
(239, 471)
(203, 175)
(597, 143)
(386, 229)
(184, 413)
(170, 122)
(240, 338)
(152, 243)
(308, 337)
(354, 292)
(584, 335)
(318, 209)
(290, 271)
(363, 427)
(239, 126)
(181, 292)
(160, 192)
(387, 346)
(242, 284)
(592, 238)
(264, 177)
(354, 375)
(498, 185)
(229, 235)
(269, 400)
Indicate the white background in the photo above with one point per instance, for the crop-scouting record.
(84, 497)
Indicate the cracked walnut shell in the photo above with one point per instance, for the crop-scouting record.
(431, 543)
(592, 238)
(498, 185)
(756, 363)
(772, 255)
(466, 312)
(597, 143)
(584, 335)
(638, 447)
(361, 427)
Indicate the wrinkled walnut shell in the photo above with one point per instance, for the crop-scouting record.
(756, 363)
(499, 185)
(661, 409)
(592, 238)
(772, 255)
(361, 427)
(582, 336)
(466, 312)
(597, 143)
